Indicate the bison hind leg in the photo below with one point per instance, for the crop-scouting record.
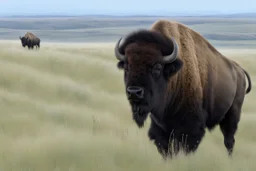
(229, 126)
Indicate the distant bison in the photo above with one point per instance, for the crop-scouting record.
(176, 75)
(30, 40)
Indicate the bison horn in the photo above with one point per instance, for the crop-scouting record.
(173, 56)
(119, 56)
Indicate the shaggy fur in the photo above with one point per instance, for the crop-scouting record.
(200, 89)
(30, 40)
(155, 38)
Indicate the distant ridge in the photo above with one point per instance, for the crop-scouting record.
(236, 15)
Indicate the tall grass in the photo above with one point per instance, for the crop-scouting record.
(64, 108)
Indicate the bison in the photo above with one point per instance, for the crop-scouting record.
(30, 40)
(187, 86)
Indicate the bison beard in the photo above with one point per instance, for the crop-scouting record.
(140, 113)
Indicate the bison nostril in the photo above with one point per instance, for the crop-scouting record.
(135, 91)
(140, 93)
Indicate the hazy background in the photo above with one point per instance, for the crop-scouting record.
(63, 107)
(223, 23)
(229, 31)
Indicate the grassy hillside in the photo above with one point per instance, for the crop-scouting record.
(219, 31)
(64, 108)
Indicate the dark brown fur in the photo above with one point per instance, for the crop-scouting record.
(203, 88)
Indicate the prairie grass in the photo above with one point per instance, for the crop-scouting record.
(64, 108)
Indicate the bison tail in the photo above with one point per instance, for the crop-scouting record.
(249, 82)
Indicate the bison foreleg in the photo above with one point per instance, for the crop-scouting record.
(171, 143)
(160, 138)
(187, 137)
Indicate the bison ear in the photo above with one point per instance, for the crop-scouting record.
(120, 65)
(171, 69)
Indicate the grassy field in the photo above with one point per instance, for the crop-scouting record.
(63, 108)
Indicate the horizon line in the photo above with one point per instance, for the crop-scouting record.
(128, 15)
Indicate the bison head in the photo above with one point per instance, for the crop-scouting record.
(24, 41)
(149, 60)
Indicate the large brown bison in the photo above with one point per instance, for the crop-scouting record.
(176, 75)
(30, 40)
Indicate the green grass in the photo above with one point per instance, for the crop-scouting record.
(64, 108)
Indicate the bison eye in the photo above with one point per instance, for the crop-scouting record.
(156, 71)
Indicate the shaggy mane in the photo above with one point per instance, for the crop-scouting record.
(147, 36)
